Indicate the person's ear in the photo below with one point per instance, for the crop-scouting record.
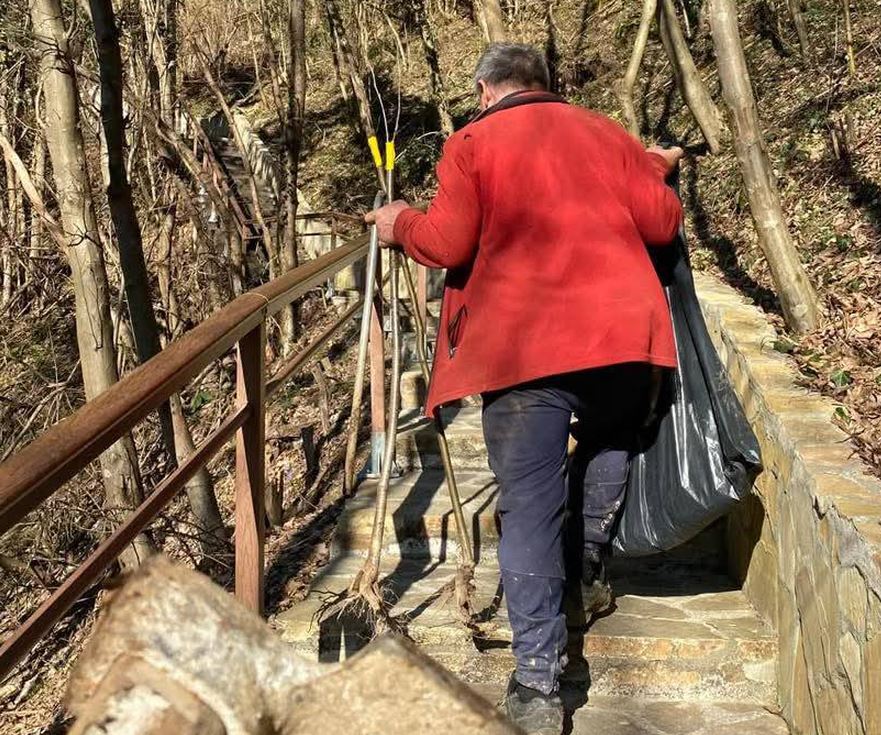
(484, 94)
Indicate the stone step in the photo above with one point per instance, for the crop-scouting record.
(419, 522)
(678, 631)
(413, 388)
(594, 714)
(417, 446)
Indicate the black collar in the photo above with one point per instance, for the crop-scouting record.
(518, 98)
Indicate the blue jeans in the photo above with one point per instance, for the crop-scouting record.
(526, 430)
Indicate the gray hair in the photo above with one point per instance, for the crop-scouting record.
(516, 63)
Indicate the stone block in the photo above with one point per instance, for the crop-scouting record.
(870, 532)
(872, 685)
(811, 428)
(761, 584)
(833, 706)
(773, 372)
(851, 497)
(851, 657)
(744, 529)
(854, 598)
(417, 445)
(413, 390)
(800, 698)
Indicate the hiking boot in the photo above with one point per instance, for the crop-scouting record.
(533, 712)
(596, 592)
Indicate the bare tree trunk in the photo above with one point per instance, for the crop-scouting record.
(552, 47)
(275, 67)
(168, 74)
(7, 245)
(94, 327)
(14, 236)
(800, 305)
(179, 440)
(154, 667)
(801, 29)
(435, 80)
(200, 489)
(268, 242)
(625, 86)
(293, 131)
(160, 27)
(848, 35)
(350, 68)
(119, 193)
(136, 280)
(687, 77)
(7, 270)
(492, 20)
(38, 169)
(338, 67)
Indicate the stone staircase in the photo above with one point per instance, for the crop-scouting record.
(683, 652)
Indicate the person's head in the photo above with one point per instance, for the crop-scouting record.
(509, 67)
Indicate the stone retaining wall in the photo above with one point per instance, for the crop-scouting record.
(808, 545)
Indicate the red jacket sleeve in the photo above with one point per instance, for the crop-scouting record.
(654, 206)
(446, 236)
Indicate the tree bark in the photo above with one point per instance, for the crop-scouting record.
(492, 20)
(625, 87)
(38, 168)
(136, 280)
(296, 109)
(801, 29)
(160, 27)
(14, 218)
(200, 489)
(437, 88)
(94, 326)
(687, 77)
(848, 37)
(350, 69)
(119, 192)
(797, 297)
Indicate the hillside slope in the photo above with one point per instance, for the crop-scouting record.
(823, 131)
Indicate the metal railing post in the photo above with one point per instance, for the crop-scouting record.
(250, 477)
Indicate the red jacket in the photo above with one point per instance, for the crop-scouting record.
(542, 215)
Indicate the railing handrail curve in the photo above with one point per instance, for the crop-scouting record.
(34, 473)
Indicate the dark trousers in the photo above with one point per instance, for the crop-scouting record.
(526, 430)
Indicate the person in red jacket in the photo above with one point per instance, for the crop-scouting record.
(551, 308)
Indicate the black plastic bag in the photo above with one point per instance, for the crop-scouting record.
(699, 457)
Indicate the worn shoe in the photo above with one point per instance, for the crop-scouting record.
(533, 712)
(596, 592)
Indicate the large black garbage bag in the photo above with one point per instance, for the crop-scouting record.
(699, 457)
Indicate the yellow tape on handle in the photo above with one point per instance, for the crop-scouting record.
(374, 149)
(390, 156)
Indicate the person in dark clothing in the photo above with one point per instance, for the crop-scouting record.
(551, 309)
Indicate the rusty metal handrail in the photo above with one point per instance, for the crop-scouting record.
(32, 475)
